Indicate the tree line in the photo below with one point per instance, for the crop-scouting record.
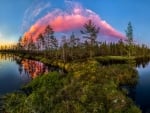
(72, 48)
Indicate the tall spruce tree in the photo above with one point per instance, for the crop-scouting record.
(90, 32)
(129, 35)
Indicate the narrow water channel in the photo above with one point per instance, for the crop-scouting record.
(141, 92)
(16, 72)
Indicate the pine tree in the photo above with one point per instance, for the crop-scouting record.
(129, 35)
(90, 32)
(49, 37)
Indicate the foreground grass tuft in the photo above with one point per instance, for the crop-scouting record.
(88, 87)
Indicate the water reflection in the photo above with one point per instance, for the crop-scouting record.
(140, 93)
(142, 62)
(7, 57)
(16, 72)
(33, 68)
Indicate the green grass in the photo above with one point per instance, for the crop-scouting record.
(88, 87)
(107, 60)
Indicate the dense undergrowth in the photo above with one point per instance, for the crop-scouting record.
(87, 87)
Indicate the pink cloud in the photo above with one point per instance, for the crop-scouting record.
(62, 21)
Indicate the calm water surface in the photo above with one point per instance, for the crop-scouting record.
(16, 72)
(141, 92)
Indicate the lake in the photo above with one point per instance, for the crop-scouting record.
(141, 92)
(16, 72)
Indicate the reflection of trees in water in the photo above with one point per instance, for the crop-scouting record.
(34, 68)
(25, 67)
(142, 62)
(20, 67)
(8, 57)
(28, 68)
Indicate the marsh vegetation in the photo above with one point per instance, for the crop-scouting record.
(94, 73)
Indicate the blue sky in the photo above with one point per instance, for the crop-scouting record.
(116, 12)
(11, 15)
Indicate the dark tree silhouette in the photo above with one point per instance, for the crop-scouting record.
(129, 35)
(90, 32)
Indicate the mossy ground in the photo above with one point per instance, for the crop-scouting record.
(87, 87)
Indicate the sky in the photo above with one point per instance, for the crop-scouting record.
(20, 16)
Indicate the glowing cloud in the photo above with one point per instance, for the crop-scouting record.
(65, 21)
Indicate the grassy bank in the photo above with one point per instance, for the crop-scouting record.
(133, 60)
(88, 87)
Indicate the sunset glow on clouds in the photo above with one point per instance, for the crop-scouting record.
(20, 17)
(65, 21)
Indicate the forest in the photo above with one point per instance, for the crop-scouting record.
(74, 48)
(94, 73)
